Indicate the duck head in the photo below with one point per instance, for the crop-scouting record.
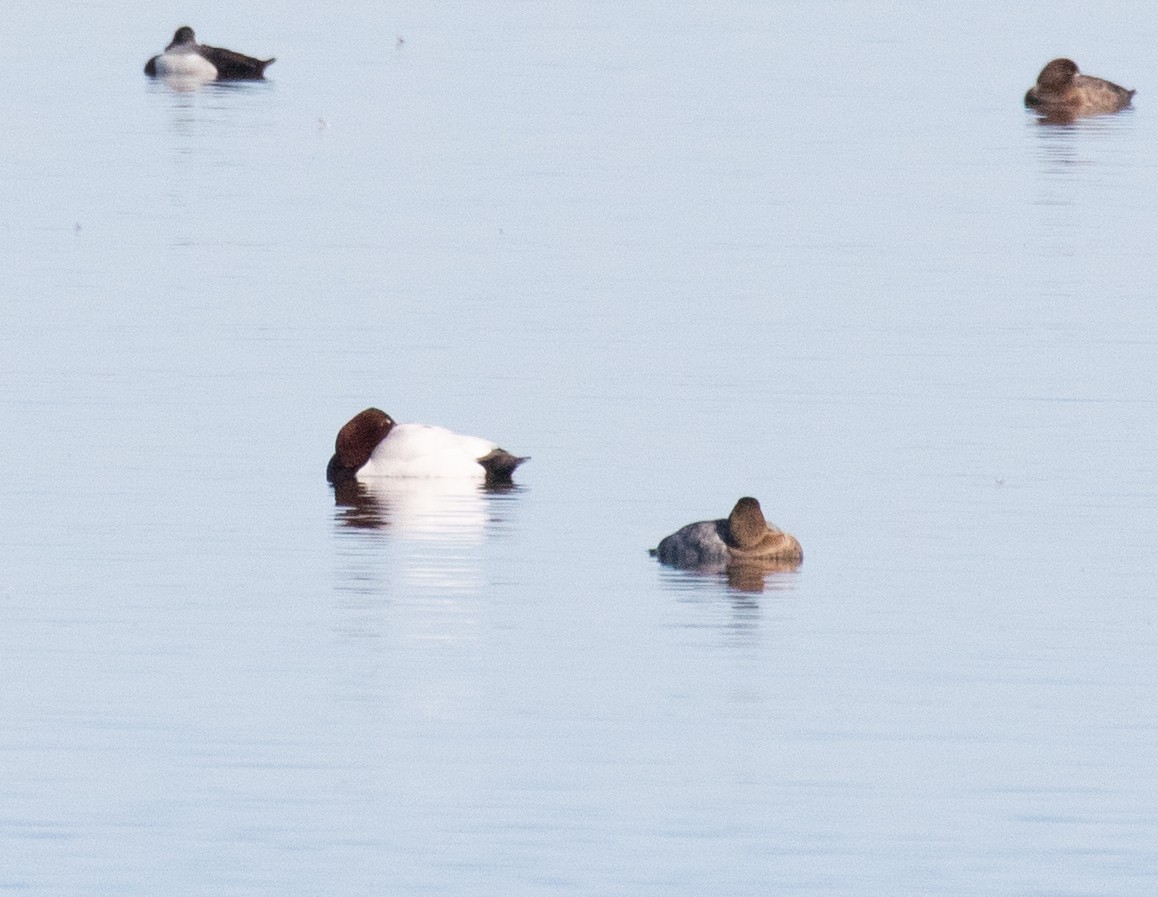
(356, 443)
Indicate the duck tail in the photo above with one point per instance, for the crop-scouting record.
(500, 465)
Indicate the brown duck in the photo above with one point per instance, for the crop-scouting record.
(743, 538)
(1063, 93)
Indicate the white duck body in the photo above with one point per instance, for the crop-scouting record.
(424, 450)
(372, 445)
(185, 62)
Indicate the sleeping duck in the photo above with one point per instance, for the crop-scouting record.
(185, 58)
(743, 538)
(1063, 93)
(371, 444)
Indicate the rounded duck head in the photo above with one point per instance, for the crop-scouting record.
(752, 539)
(1057, 74)
(356, 443)
(747, 524)
(183, 35)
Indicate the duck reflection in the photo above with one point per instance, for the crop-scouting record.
(419, 546)
(752, 579)
(180, 84)
(427, 509)
(755, 577)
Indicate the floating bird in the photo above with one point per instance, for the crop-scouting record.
(371, 444)
(185, 58)
(743, 538)
(1063, 93)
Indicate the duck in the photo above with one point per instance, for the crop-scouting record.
(371, 444)
(185, 58)
(744, 537)
(1063, 93)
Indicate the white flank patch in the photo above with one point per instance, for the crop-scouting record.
(186, 65)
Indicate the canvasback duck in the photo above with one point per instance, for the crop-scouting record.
(1063, 93)
(743, 538)
(371, 444)
(185, 58)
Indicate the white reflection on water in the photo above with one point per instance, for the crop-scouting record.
(186, 84)
(421, 542)
(433, 509)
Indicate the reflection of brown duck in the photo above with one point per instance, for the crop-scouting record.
(361, 509)
(745, 538)
(1062, 93)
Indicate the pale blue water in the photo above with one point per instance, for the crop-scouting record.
(815, 253)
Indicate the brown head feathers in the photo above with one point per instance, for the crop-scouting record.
(356, 442)
(752, 539)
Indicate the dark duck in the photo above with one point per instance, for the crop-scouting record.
(1062, 93)
(185, 58)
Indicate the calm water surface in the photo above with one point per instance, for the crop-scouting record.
(816, 253)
